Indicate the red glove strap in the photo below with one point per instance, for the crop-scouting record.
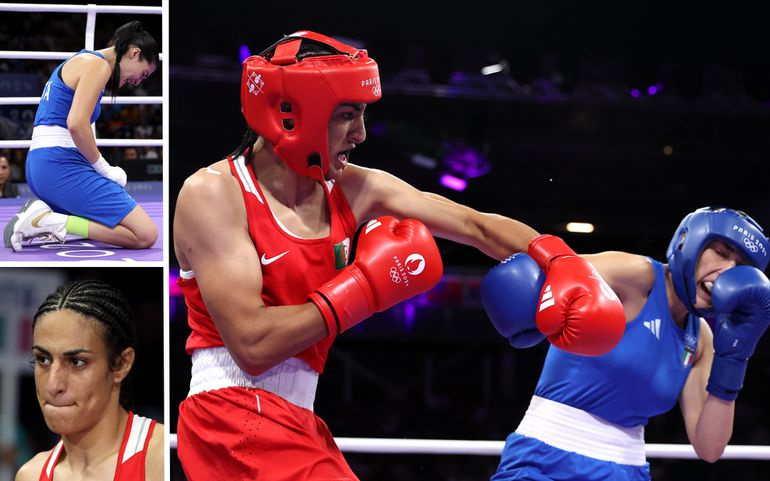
(545, 248)
(345, 300)
(330, 318)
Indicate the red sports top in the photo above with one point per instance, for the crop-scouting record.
(292, 267)
(131, 457)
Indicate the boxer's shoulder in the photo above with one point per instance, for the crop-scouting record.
(213, 183)
(211, 189)
(630, 275)
(31, 469)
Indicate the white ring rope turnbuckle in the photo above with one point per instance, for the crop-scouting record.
(494, 448)
(91, 10)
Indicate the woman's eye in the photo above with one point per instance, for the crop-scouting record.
(39, 361)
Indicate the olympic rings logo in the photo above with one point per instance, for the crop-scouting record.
(750, 245)
(394, 275)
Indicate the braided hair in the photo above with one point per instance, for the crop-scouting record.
(108, 306)
(131, 34)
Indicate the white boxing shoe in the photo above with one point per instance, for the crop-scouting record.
(25, 225)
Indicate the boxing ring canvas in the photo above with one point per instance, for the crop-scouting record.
(148, 194)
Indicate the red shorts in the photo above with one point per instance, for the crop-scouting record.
(240, 433)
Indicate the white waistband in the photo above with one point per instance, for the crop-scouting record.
(51, 136)
(575, 430)
(293, 380)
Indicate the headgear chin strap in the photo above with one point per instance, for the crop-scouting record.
(696, 231)
(289, 100)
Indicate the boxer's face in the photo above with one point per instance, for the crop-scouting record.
(133, 69)
(346, 130)
(716, 258)
(73, 379)
(4, 169)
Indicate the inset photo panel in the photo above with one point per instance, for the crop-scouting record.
(81, 133)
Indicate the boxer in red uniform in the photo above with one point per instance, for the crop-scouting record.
(83, 350)
(273, 269)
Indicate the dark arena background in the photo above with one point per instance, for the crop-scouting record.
(626, 117)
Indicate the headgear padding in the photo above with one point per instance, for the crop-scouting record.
(289, 100)
(694, 233)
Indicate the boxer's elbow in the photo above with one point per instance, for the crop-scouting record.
(253, 356)
(711, 453)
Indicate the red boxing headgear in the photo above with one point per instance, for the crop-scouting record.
(289, 101)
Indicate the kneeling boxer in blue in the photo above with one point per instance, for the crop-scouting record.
(586, 420)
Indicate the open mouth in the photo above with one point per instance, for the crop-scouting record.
(706, 287)
(342, 159)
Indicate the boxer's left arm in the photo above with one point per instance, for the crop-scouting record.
(707, 419)
(373, 193)
(741, 299)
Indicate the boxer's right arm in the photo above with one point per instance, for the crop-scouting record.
(211, 237)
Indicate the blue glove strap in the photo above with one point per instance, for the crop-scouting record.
(726, 378)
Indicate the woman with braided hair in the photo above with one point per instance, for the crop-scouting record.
(78, 192)
(83, 350)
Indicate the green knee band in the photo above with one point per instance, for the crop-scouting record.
(77, 226)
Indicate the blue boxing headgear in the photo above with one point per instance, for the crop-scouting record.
(694, 233)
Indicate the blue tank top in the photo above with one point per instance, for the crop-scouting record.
(57, 97)
(640, 378)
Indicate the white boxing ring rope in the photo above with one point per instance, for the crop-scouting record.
(494, 448)
(37, 55)
(54, 8)
(24, 144)
(138, 99)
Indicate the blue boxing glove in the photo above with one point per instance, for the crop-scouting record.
(741, 299)
(510, 293)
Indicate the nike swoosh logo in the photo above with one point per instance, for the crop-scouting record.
(36, 220)
(270, 260)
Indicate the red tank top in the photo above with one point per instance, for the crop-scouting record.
(131, 457)
(292, 267)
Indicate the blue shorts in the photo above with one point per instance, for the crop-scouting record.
(64, 179)
(529, 459)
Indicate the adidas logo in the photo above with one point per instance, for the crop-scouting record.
(371, 225)
(654, 327)
(546, 300)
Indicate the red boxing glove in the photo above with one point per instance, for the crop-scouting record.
(391, 261)
(578, 311)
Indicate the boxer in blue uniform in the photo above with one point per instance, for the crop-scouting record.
(78, 192)
(586, 420)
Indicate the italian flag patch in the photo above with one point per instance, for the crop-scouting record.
(687, 356)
